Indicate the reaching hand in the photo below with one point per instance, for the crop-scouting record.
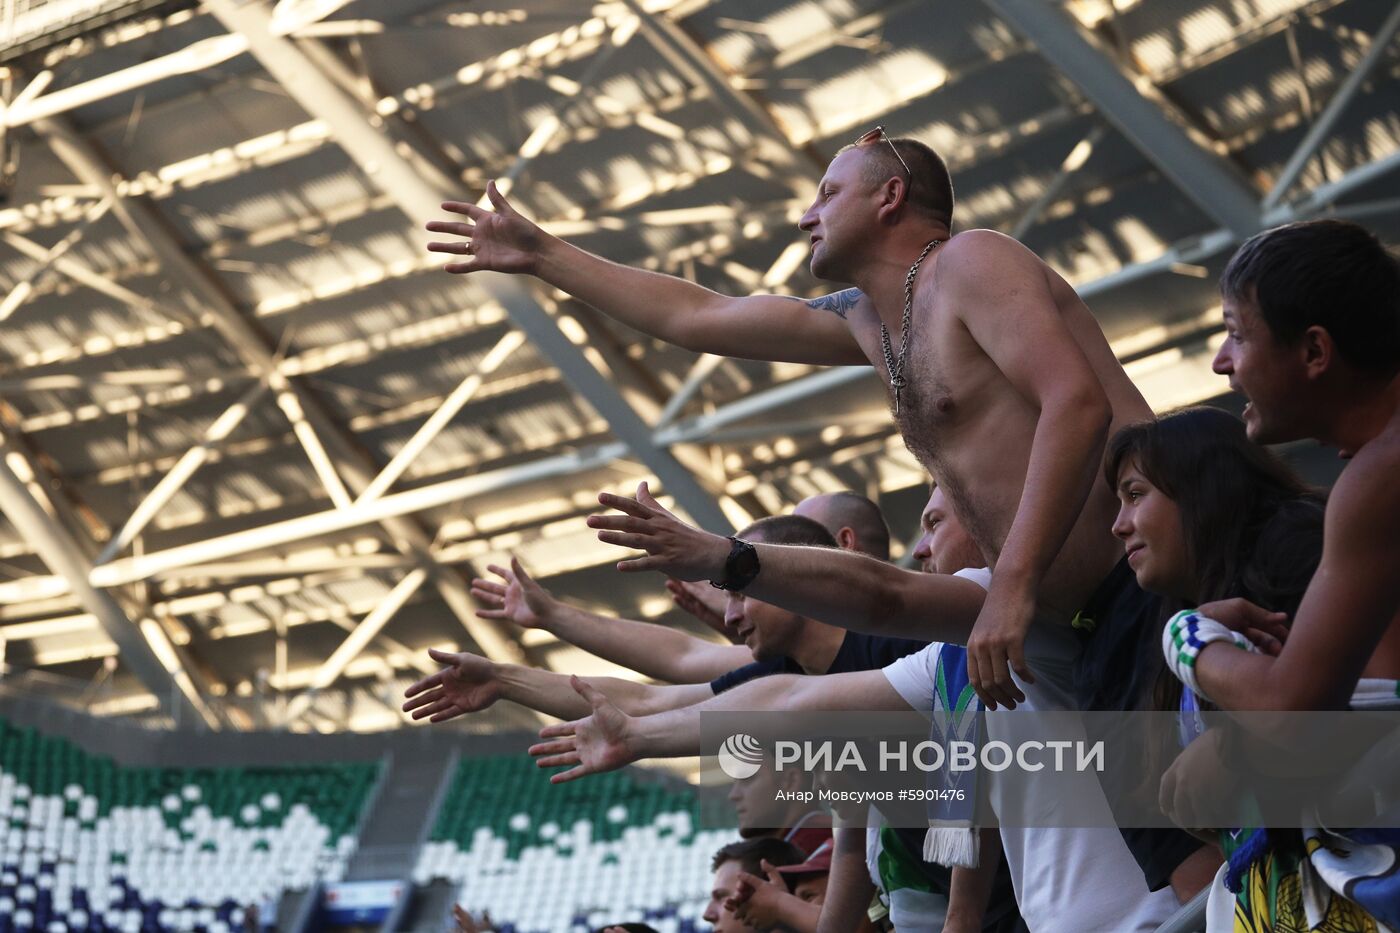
(593, 745)
(997, 646)
(466, 923)
(673, 547)
(1268, 630)
(519, 599)
(498, 240)
(702, 601)
(467, 685)
(759, 901)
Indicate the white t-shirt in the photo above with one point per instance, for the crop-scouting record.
(1066, 880)
(911, 910)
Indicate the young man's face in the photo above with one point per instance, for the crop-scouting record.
(1267, 373)
(724, 886)
(839, 218)
(945, 547)
(767, 631)
(756, 804)
(811, 888)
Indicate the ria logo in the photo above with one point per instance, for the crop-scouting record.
(740, 756)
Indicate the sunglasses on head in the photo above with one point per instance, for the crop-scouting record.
(879, 133)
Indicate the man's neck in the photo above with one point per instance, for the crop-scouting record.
(1362, 418)
(817, 647)
(882, 277)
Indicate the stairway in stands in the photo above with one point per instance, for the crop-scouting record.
(404, 805)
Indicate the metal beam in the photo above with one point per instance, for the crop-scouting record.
(24, 288)
(384, 508)
(159, 671)
(1071, 164)
(253, 348)
(370, 626)
(387, 169)
(1138, 111)
(180, 473)
(440, 418)
(131, 569)
(1322, 127)
(695, 64)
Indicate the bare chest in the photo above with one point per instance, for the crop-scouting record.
(943, 372)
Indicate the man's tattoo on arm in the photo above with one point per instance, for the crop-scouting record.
(838, 303)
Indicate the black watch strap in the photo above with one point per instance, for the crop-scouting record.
(740, 567)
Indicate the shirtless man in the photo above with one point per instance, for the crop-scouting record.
(1001, 381)
(1312, 317)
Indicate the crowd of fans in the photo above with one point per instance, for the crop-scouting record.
(1079, 553)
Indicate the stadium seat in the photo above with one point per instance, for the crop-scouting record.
(87, 846)
(541, 857)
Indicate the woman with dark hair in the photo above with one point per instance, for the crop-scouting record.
(1248, 526)
(1206, 516)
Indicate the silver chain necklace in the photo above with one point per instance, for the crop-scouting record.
(896, 369)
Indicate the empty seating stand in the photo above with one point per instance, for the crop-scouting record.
(88, 846)
(541, 857)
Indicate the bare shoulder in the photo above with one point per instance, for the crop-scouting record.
(977, 250)
(1365, 501)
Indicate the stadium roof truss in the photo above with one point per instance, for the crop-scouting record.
(255, 442)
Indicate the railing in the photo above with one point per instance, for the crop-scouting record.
(1191, 918)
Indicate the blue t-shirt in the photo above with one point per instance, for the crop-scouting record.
(858, 652)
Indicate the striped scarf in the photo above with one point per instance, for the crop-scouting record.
(952, 839)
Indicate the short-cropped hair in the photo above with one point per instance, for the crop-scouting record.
(1327, 273)
(749, 853)
(789, 529)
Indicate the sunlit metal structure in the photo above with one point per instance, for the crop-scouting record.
(255, 442)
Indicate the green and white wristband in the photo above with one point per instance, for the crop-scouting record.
(1186, 634)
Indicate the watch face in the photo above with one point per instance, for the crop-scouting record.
(743, 565)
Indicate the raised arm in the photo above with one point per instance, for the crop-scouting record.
(849, 888)
(767, 327)
(1004, 300)
(838, 587)
(609, 738)
(652, 650)
(469, 683)
(1351, 606)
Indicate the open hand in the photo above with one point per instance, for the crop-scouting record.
(593, 745)
(673, 547)
(758, 902)
(466, 923)
(466, 685)
(997, 646)
(520, 599)
(498, 240)
(702, 601)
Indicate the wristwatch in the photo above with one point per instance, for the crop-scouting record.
(740, 567)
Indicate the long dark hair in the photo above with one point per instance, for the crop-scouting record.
(1251, 526)
(1235, 497)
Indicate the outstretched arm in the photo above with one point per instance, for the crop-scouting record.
(609, 738)
(768, 327)
(991, 279)
(652, 650)
(838, 587)
(469, 683)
